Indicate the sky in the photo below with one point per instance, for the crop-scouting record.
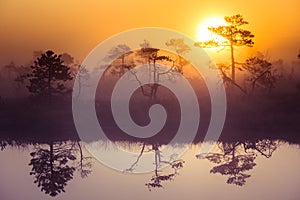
(77, 27)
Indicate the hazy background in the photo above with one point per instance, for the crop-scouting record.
(75, 27)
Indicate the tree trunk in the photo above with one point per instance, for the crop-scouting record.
(49, 84)
(153, 95)
(232, 64)
(149, 66)
(51, 160)
(123, 65)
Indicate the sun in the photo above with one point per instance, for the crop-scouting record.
(203, 34)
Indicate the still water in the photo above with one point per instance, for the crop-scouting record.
(263, 169)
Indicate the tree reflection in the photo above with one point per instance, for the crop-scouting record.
(235, 158)
(50, 168)
(158, 178)
(3, 144)
(54, 167)
(231, 163)
(84, 165)
(264, 147)
(55, 163)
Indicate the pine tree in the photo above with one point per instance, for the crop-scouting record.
(48, 75)
(234, 37)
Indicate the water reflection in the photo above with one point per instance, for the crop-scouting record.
(236, 158)
(158, 178)
(84, 164)
(3, 144)
(160, 175)
(265, 147)
(53, 165)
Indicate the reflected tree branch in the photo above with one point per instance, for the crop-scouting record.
(233, 163)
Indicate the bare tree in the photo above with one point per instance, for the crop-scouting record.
(82, 75)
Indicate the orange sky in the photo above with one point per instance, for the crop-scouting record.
(76, 27)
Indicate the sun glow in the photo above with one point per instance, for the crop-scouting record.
(203, 34)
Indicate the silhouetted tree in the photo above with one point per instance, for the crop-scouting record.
(181, 48)
(298, 84)
(50, 167)
(234, 37)
(152, 57)
(226, 79)
(149, 54)
(48, 75)
(67, 59)
(119, 52)
(82, 75)
(146, 55)
(261, 73)
(8, 74)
